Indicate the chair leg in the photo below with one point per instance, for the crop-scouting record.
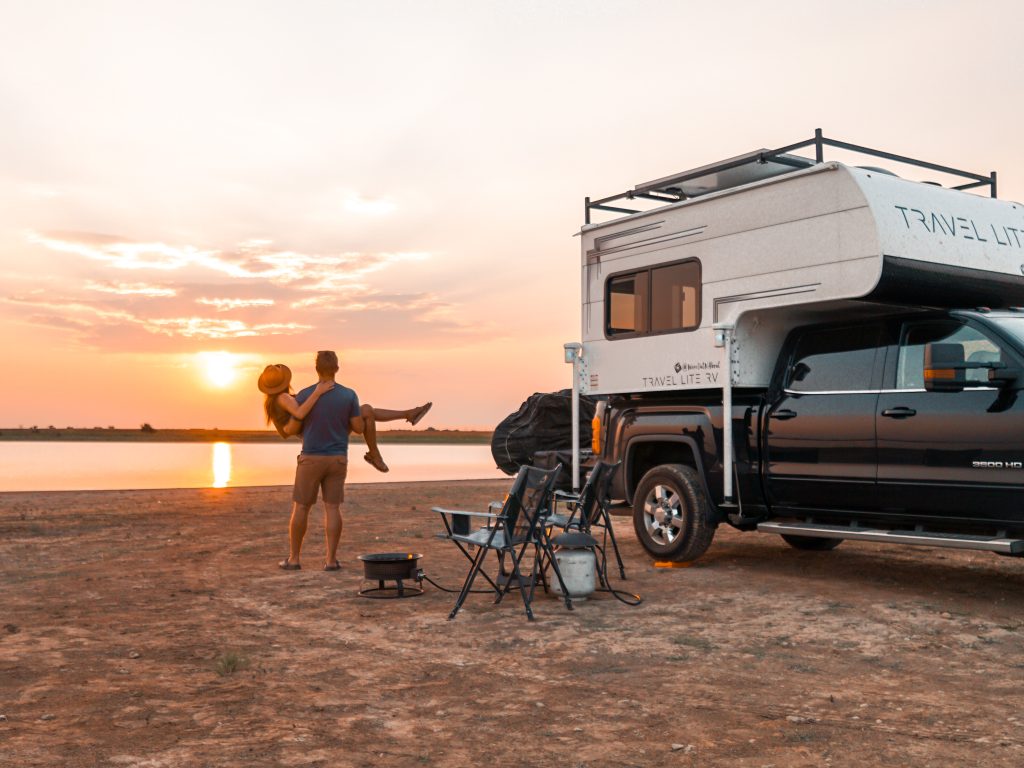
(542, 571)
(471, 558)
(502, 574)
(468, 585)
(546, 545)
(534, 576)
(610, 533)
(518, 575)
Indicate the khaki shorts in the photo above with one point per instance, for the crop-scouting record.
(315, 472)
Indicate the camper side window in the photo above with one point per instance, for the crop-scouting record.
(674, 291)
(659, 299)
(627, 304)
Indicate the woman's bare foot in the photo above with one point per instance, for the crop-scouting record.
(376, 461)
(419, 413)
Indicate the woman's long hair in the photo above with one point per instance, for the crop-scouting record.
(270, 406)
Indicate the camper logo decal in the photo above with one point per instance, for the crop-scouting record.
(951, 225)
(700, 374)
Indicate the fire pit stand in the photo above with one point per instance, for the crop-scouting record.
(398, 567)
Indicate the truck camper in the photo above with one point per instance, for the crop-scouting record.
(858, 328)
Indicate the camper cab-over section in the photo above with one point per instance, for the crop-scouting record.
(766, 245)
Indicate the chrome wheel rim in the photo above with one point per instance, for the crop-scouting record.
(663, 514)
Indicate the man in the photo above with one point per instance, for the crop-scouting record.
(323, 462)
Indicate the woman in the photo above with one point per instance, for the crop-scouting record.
(286, 414)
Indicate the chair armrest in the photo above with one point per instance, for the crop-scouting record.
(449, 516)
(462, 512)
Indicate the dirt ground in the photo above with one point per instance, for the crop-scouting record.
(153, 628)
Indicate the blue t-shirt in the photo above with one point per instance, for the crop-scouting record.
(325, 428)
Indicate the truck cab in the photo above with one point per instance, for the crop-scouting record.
(913, 420)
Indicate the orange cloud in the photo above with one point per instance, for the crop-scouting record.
(249, 293)
(223, 305)
(207, 328)
(84, 316)
(252, 259)
(122, 255)
(130, 289)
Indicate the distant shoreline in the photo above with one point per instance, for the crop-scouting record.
(74, 434)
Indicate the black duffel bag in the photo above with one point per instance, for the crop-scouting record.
(542, 423)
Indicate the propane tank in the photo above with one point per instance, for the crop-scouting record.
(578, 568)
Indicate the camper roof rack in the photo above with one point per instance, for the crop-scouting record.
(758, 165)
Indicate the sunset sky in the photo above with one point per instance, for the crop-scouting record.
(191, 190)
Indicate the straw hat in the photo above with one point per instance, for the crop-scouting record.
(275, 379)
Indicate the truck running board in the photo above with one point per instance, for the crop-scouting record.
(999, 544)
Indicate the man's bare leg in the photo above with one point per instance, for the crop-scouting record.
(297, 531)
(332, 531)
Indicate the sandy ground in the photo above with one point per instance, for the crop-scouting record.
(427, 435)
(121, 614)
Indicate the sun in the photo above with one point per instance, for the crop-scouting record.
(220, 368)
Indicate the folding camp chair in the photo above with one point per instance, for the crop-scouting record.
(511, 533)
(588, 509)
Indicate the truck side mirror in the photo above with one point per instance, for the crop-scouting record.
(1004, 376)
(944, 367)
(799, 372)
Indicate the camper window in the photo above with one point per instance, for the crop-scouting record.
(627, 304)
(674, 297)
(659, 299)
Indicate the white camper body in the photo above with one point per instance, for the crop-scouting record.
(771, 254)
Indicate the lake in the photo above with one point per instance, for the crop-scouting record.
(53, 466)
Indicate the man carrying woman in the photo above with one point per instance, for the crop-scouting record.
(324, 414)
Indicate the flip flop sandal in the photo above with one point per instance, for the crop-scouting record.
(335, 566)
(375, 461)
(416, 419)
(284, 565)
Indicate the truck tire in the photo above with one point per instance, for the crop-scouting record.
(811, 543)
(671, 514)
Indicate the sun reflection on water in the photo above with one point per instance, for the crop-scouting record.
(221, 465)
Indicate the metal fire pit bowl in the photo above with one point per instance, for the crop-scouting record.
(391, 566)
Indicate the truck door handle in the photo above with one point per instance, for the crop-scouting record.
(784, 414)
(899, 413)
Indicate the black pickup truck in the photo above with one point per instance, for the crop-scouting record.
(905, 428)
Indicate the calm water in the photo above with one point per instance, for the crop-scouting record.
(57, 466)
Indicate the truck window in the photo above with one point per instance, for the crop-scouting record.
(659, 299)
(835, 360)
(910, 365)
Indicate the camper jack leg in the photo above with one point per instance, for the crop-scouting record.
(723, 339)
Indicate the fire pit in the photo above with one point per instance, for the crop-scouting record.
(391, 566)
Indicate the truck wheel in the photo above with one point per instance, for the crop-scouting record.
(812, 543)
(671, 514)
